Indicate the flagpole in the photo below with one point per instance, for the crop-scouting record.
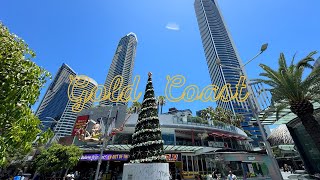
(102, 148)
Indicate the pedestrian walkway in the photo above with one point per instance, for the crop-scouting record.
(288, 175)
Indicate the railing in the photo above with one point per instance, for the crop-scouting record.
(221, 126)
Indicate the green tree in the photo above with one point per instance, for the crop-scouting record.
(147, 139)
(136, 106)
(222, 115)
(237, 120)
(57, 158)
(290, 89)
(197, 120)
(208, 113)
(20, 84)
(161, 102)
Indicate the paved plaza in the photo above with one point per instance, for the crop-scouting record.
(288, 175)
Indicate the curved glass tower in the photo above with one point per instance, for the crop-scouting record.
(122, 64)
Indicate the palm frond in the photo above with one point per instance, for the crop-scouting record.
(268, 82)
(282, 63)
(292, 60)
(305, 61)
(312, 79)
(273, 74)
(279, 107)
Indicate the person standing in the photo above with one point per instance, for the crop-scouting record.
(215, 174)
(231, 176)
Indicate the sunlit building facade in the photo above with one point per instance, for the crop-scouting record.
(220, 49)
(122, 64)
(56, 98)
(68, 118)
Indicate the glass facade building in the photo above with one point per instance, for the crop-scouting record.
(57, 105)
(191, 148)
(220, 49)
(56, 98)
(122, 64)
(68, 118)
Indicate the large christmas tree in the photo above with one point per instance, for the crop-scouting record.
(147, 140)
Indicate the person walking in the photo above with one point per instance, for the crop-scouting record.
(231, 176)
(215, 174)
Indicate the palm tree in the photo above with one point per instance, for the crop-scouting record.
(221, 115)
(204, 114)
(136, 107)
(129, 110)
(290, 89)
(161, 102)
(237, 120)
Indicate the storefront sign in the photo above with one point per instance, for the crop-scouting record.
(173, 157)
(217, 144)
(105, 157)
(122, 157)
(80, 124)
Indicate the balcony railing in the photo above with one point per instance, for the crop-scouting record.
(215, 125)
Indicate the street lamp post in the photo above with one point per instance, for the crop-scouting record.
(255, 111)
(50, 141)
(55, 135)
(105, 141)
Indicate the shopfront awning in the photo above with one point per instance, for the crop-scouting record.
(284, 116)
(125, 147)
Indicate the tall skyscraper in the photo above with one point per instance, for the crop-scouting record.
(122, 64)
(69, 116)
(56, 98)
(220, 49)
(57, 105)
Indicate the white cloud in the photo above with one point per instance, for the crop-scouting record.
(173, 26)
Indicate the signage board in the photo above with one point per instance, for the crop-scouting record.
(80, 124)
(105, 157)
(122, 157)
(251, 158)
(217, 144)
(173, 157)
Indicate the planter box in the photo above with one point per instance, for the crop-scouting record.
(149, 171)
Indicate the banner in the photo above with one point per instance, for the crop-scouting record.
(122, 157)
(173, 157)
(105, 157)
(217, 144)
(80, 124)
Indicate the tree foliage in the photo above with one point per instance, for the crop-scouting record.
(135, 107)
(287, 83)
(289, 88)
(20, 84)
(57, 157)
(219, 115)
(161, 102)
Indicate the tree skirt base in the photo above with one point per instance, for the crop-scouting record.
(150, 171)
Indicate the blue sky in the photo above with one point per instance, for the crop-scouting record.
(84, 34)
